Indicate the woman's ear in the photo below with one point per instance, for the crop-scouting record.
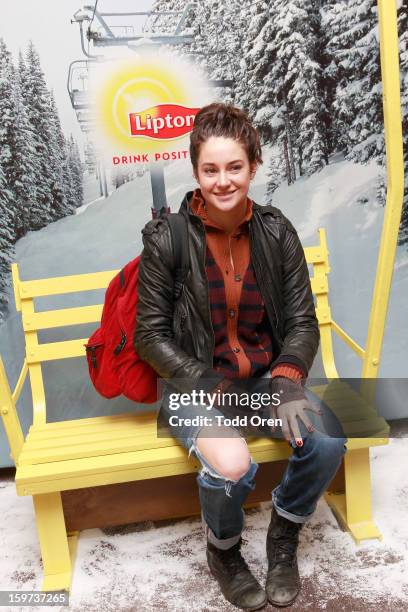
(253, 169)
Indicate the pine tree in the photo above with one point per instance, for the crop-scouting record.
(16, 144)
(403, 32)
(37, 105)
(76, 169)
(276, 173)
(63, 198)
(6, 241)
(352, 33)
(297, 73)
(257, 52)
(24, 162)
(7, 126)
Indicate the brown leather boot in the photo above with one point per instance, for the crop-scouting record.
(282, 581)
(236, 581)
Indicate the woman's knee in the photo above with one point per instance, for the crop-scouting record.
(329, 449)
(228, 456)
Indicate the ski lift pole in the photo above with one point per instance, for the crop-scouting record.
(158, 188)
(102, 180)
(390, 75)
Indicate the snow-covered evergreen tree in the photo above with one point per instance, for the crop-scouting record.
(24, 163)
(257, 53)
(63, 193)
(7, 126)
(76, 170)
(37, 104)
(403, 32)
(6, 241)
(352, 29)
(17, 152)
(297, 73)
(276, 172)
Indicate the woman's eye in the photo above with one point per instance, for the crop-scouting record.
(209, 171)
(236, 168)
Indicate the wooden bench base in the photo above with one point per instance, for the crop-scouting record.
(158, 499)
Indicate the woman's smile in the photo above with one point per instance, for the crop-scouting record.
(225, 195)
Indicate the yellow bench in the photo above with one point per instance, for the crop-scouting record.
(120, 448)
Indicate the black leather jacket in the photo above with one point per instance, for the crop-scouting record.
(177, 339)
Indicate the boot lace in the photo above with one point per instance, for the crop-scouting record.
(284, 548)
(234, 561)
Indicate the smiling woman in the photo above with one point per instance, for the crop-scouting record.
(249, 317)
(224, 174)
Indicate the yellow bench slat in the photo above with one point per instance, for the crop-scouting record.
(112, 419)
(77, 436)
(56, 350)
(171, 453)
(45, 451)
(115, 427)
(33, 456)
(62, 317)
(65, 284)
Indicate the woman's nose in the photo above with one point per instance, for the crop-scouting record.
(223, 178)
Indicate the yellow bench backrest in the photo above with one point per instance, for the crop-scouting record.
(27, 291)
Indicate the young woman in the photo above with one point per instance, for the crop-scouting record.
(246, 315)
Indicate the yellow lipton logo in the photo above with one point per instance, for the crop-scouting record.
(147, 104)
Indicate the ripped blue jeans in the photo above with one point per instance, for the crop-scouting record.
(310, 469)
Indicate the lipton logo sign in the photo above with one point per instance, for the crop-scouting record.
(163, 121)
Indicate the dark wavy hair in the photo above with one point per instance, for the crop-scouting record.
(219, 119)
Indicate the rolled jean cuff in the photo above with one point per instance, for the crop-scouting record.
(295, 518)
(224, 543)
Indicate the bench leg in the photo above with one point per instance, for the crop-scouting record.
(58, 549)
(353, 508)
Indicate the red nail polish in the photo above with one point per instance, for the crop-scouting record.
(299, 443)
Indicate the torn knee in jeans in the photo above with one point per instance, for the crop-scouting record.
(208, 471)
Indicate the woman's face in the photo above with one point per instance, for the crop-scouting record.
(224, 173)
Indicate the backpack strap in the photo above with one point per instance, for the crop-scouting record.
(179, 237)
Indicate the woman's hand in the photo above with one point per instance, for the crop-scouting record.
(288, 413)
(293, 404)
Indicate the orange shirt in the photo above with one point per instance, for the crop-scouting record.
(232, 255)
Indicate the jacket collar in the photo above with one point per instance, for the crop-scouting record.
(186, 209)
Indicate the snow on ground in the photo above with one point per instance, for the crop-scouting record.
(151, 566)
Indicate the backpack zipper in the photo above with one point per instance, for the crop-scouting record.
(92, 349)
(121, 344)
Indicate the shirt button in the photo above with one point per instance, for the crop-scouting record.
(236, 349)
(237, 277)
(231, 313)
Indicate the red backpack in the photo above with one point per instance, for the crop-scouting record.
(114, 366)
